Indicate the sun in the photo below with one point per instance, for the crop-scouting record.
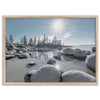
(57, 25)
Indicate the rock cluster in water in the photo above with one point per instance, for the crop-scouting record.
(20, 52)
(49, 73)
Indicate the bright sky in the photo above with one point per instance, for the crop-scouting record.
(72, 31)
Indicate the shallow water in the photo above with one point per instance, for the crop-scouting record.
(16, 68)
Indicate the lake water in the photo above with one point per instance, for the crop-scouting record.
(16, 68)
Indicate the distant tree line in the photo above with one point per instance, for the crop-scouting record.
(37, 41)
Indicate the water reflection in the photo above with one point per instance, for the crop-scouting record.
(42, 55)
(68, 57)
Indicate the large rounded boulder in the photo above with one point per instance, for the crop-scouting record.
(80, 55)
(68, 51)
(46, 74)
(90, 62)
(77, 76)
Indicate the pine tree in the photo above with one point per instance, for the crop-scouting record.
(25, 40)
(35, 41)
(7, 42)
(31, 41)
(21, 41)
(11, 38)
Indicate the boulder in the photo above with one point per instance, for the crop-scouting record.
(46, 74)
(77, 76)
(79, 54)
(31, 63)
(57, 56)
(23, 55)
(24, 50)
(87, 52)
(11, 47)
(51, 61)
(93, 49)
(20, 52)
(9, 56)
(90, 62)
(10, 53)
(16, 54)
(68, 51)
(30, 53)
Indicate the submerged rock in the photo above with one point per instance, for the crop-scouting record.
(90, 62)
(79, 55)
(77, 76)
(68, 57)
(31, 63)
(68, 51)
(23, 55)
(46, 74)
(51, 61)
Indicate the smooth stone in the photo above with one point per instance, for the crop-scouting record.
(23, 55)
(68, 51)
(24, 50)
(93, 49)
(9, 56)
(31, 63)
(20, 52)
(51, 61)
(57, 56)
(10, 53)
(90, 62)
(46, 74)
(87, 52)
(77, 76)
(16, 54)
(68, 57)
(30, 72)
(11, 47)
(79, 55)
(30, 53)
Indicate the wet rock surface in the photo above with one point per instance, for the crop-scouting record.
(46, 74)
(90, 62)
(77, 76)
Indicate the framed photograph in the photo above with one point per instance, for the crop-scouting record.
(50, 50)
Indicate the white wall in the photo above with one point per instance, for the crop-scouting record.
(47, 7)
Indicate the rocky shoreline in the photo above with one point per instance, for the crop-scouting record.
(49, 71)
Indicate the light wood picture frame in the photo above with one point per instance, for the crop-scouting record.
(5, 28)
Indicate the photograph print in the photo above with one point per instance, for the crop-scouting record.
(50, 49)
